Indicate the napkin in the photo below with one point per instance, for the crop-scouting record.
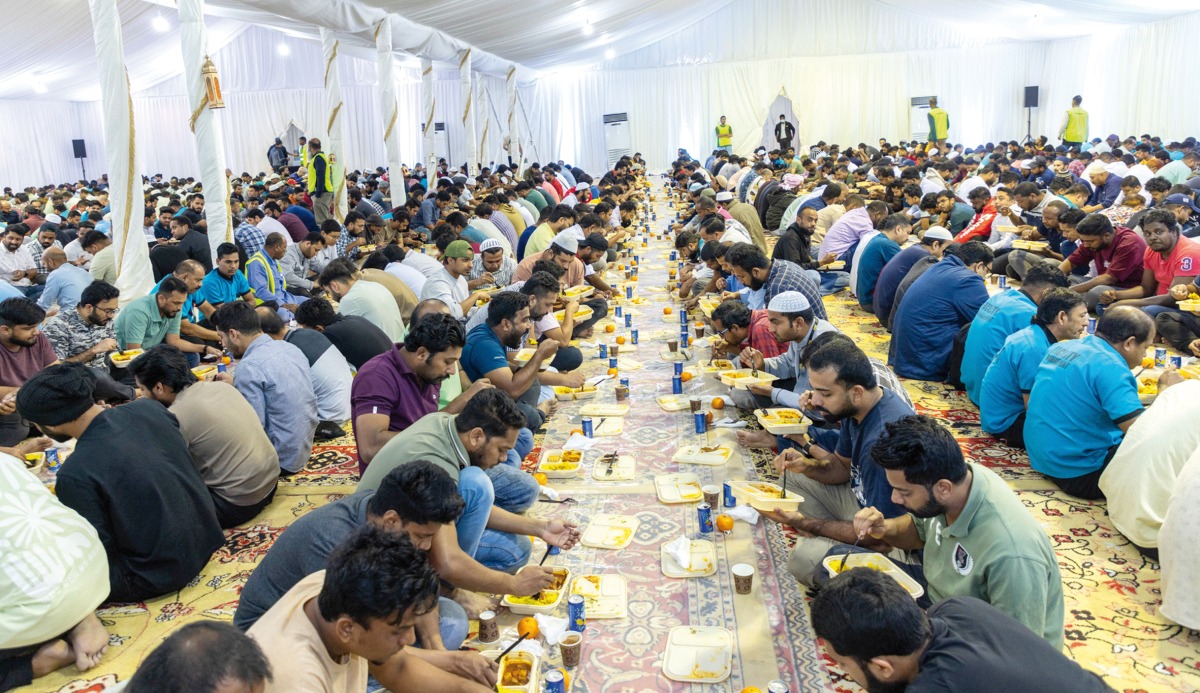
(553, 628)
(596, 380)
(548, 492)
(729, 423)
(744, 513)
(578, 442)
(681, 550)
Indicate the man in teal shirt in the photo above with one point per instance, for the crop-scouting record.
(154, 319)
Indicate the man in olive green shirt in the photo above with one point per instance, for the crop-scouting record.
(979, 539)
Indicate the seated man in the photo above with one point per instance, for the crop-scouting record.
(836, 485)
(933, 243)
(492, 265)
(272, 376)
(450, 285)
(562, 251)
(24, 350)
(85, 335)
(1176, 547)
(791, 321)
(755, 270)
(1170, 261)
(1000, 316)
(543, 292)
(1004, 393)
(17, 267)
(944, 298)
(741, 328)
(191, 273)
(327, 369)
(979, 540)
(48, 612)
(466, 445)
(1085, 398)
(877, 252)
(266, 277)
(1118, 255)
(357, 338)
(224, 283)
(131, 477)
(155, 319)
(358, 297)
(876, 633)
(228, 446)
(417, 500)
(353, 619)
(65, 282)
(297, 265)
(203, 657)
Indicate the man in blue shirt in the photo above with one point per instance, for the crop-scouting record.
(305, 216)
(933, 243)
(840, 483)
(224, 283)
(266, 277)
(1002, 315)
(879, 251)
(1085, 398)
(1004, 392)
(64, 283)
(944, 298)
(1106, 187)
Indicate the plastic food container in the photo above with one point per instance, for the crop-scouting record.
(763, 495)
(516, 664)
(205, 372)
(610, 531)
(672, 402)
(874, 561)
(698, 654)
(561, 464)
(604, 596)
(741, 378)
(568, 394)
(620, 470)
(583, 313)
(543, 602)
(703, 561)
(577, 292)
(678, 488)
(717, 366)
(782, 422)
(121, 359)
(711, 455)
(604, 409)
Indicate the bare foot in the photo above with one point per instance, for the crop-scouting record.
(755, 439)
(548, 407)
(585, 334)
(89, 639)
(473, 602)
(51, 657)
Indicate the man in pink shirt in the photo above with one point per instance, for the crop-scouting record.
(847, 231)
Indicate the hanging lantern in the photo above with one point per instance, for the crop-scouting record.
(212, 84)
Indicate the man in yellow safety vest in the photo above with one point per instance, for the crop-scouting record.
(320, 181)
(303, 152)
(724, 136)
(939, 124)
(1074, 129)
(266, 277)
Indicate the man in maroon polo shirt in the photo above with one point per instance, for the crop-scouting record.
(394, 389)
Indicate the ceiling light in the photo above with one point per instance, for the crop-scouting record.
(610, 54)
(40, 87)
(588, 29)
(160, 23)
(283, 49)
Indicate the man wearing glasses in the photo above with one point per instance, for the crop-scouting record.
(85, 334)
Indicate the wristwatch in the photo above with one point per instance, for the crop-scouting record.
(806, 448)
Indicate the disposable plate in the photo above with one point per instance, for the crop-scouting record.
(604, 409)
(763, 495)
(553, 459)
(578, 292)
(672, 402)
(716, 366)
(516, 658)
(782, 422)
(742, 377)
(548, 600)
(121, 359)
(604, 596)
(622, 469)
(711, 455)
(610, 531)
(703, 561)
(583, 313)
(874, 561)
(698, 654)
(678, 488)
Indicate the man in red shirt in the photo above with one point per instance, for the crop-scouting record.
(1118, 255)
(739, 327)
(1170, 260)
(980, 227)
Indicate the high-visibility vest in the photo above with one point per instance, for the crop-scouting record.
(724, 135)
(304, 156)
(260, 258)
(1077, 125)
(939, 124)
(312, 173)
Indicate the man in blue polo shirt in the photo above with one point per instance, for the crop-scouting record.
(224, 284)
(1085, 398)
(944, 298)
(1002, 315)
(1004, 392)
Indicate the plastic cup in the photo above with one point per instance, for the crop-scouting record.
(695, 404)
(743, 578)
(571, 647)
(712, 496)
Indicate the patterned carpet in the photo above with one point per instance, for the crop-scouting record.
(1112, 622)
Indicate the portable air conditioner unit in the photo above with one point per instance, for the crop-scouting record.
(918, 120)
(616, 136)
(441, 142)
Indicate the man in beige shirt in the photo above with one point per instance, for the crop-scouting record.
(227, 443)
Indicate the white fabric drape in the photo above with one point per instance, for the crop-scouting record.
(429, 105)
(467, 120)
(210, 145)
(389, 110)
(512, 133)
(134, 277)
(334, 124)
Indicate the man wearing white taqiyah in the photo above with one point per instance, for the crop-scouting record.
(791, 320)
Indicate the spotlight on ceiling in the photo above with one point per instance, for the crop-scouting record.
(588, 29)
(283, 49)
(160, 24)
(610, 54)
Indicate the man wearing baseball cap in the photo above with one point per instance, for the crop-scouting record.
(450, 284)
(1186, 213)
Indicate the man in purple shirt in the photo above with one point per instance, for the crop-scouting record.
(854, 224)
(394, 389)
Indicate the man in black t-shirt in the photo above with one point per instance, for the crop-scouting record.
(359, 339)
(875, 632)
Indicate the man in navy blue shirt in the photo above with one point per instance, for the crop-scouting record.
(1106, 187)
(933, 243)
(836, 485)
(937, 305)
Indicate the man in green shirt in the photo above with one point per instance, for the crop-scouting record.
(979, 539)
(155, 319)
(466, 445)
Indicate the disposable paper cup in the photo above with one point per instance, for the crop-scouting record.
(489, 630)
(695, 404)
(673, 345)
(743, 578)
(712, 495)
(571, 647)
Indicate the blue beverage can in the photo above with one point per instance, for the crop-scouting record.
(554, 680)
(683, 319)
(1160, 358)
(1091, 328)
(586, 424)
(727, 496)
(1003, 282)
(553, 550)
(1176, 362)
(624, 381)
(612, 361)
(704, 518)
(220, 367)
(617, 311)
(602, 351)
(778, 686)
(674, 256)
(701, 420)
(684, 339)
(576, 619)
(633, 335)
(636, 259)
(678, 368)
(628, 320)
(677, 385)
(52, 460)
(629, 291)
(653, 216)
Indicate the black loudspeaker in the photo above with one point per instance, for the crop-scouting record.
(80, 150)
(1031, 97)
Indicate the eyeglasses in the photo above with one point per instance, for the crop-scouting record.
(110, 312)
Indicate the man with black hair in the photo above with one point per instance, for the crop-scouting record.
(355, 296)
(836, 484)
(328, 370)
(193, 243)
(537, 239)
(356, 617)
(24, 350)
(1171, 264)
(17, 267)
(155, 319)
(273, 376)
(935, 308)
(203, 657)
(879, 636)
(224, 438)
(543, 289)
(740, 328)
(1000, 316)
(296, 263)
(874, 252)
(1118, 255)
(249, 235)
(223, 283)
(131, 477)
(934, 242)
(85, 333)
(755, 270)
(265, 276)
(1004, 390)
(468, 446)
(357, 338)
(978, 539)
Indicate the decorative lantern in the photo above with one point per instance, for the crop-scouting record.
(212, 84)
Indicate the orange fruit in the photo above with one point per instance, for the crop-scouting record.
(686, 376)
(718, 403)
(576, 430)
(566, 679)
(620, 339)
(633, 263)
(620, 267)
(750, 689)
(610, 328)
(528, 625)
(612, 371)
(541, 478)
(724, 523)
(1148, 362)
(708, 418)
(667, 310)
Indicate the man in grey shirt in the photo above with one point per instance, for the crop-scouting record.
(297, 265)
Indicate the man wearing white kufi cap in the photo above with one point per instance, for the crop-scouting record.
(493, 262)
